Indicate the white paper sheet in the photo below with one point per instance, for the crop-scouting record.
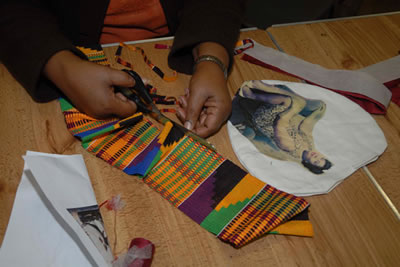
(41, 230)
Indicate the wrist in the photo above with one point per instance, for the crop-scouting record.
(57, 63)
(213, 60)
(214, 50)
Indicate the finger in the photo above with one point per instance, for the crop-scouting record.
(207, 129)
(194, 107)
(180, 113)
(122, 107)
(210, 122)
(204, 131)
(121, 78)
(203, 117)
(182, 102)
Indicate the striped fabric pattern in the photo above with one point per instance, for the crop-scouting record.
(183, 170)
(131, 149)
(217, 194)
(221, 197)
(95, 54)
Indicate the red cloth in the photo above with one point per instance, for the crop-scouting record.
(128, 20)
(394, 86)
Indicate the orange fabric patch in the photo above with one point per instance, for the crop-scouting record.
(129, 20)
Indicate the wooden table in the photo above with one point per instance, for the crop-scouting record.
(353, 224)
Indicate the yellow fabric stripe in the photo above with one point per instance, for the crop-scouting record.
(245, 189)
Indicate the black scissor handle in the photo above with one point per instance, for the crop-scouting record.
(139, 87)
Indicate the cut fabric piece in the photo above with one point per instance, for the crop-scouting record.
(299, 225)
(359, 86)
(221, 197)
(299, 138)
(95, 54)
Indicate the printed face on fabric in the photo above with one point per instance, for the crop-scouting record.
(279, 123)
(301, 138)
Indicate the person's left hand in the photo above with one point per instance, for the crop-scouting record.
(207, 103)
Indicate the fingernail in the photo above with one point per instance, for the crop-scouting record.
(179, 113)
(182, 101)
(146, 81)
(188, 125)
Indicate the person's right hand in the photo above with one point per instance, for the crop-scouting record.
(89, 86)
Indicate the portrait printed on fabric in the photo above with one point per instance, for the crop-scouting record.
(279, 123)
(89, 218)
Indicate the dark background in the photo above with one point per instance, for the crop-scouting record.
(264, 13)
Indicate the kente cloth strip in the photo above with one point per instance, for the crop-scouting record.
(299, 225)
(217, 194)
(214, 192)
(365, 87)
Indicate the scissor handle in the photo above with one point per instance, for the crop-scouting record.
(139, 87)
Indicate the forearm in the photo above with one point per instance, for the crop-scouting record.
(31, 38)
(202, 22)
(58, 65)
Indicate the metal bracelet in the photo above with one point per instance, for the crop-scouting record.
(212, 59)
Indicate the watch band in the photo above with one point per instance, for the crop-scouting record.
(212, 59)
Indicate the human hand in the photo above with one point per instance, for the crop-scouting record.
(207, 103)
(89, 86)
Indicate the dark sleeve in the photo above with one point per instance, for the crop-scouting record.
(30, 36)
(201, 21)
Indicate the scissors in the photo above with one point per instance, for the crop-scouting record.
(141, 97)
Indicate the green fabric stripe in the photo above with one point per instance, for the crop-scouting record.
(65, 105)
(102, 131)
(154, 162)
(96, 56)
(217, 220)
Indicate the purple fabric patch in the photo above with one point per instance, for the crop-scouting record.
(200, 203)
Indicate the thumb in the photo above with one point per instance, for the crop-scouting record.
(121, 78)
(193, 110)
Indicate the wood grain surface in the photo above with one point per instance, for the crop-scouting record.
(353, 225)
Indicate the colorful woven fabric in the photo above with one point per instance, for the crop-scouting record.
(299, 225)
(217, 194)
(220, 196)
(131, 149)
(95, 54)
